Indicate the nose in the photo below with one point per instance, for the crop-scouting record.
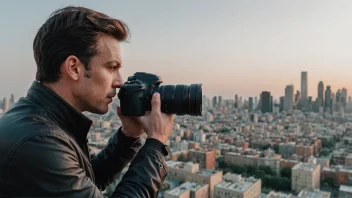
(118, 80)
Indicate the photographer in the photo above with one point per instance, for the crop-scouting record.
(44, 150)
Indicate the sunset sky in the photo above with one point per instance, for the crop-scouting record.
(232, 47)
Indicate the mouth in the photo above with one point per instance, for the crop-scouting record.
(109, 99)
(111, 95)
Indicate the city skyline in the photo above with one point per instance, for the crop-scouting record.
(314, 96)
(232, 47)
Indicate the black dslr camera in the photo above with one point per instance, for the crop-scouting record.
(136, 94)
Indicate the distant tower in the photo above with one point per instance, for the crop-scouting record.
(321, 94)
(214, 102)
(304, 85)
(344, 97)
(236, 101)
(13, 99)
(281, 105)
(266, 103)
(338, 100)
(6, 103)
(250, 104)
(328, 98)
(333, 102)
(297, 96)
(289, 97)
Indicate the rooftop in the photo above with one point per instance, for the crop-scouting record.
(309, 193)
(344, 188)
(338, 168)
(305, 166)
(177, 191)
(207, 172)
(182, 165)
(201, 150)
(191, 185)
(274, 194)
(238, 186)
(174, 164)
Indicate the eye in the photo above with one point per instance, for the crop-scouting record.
(113, 68)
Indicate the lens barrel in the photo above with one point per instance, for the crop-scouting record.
(181, 99)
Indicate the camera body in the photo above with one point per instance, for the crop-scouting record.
(136, 94)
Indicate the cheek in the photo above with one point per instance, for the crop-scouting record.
(102, 82)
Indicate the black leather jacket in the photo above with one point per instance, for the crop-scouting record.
(44, 153)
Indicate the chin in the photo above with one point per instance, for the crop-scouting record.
(101, 111)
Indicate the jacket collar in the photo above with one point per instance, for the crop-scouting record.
(61, 111)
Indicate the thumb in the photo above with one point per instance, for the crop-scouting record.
(156, 102)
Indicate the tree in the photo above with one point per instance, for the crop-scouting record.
(259, 173)
(238, 169)
(330, 181)
(276, 148)
(251, 170)
(266, 146)
(221, 163)
(329, 143)
(324, 152)
(181, 158)
(286, 172)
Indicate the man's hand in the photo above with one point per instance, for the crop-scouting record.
(156, 124)
(130, 126)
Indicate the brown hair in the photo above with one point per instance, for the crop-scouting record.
(71, 31)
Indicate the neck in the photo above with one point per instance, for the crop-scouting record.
(63, 90)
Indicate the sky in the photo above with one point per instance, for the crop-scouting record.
(230, 46)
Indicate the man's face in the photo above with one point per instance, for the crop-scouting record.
(96, 92)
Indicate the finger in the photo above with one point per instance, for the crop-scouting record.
(156, 102)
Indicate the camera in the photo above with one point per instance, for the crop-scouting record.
(136, 94)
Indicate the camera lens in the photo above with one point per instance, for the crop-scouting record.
(181, 99)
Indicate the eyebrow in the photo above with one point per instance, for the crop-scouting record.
(118, 63)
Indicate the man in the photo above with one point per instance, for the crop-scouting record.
(43, 137)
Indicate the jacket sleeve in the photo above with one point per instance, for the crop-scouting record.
(110, 161)
(146, 173)
(46, 165)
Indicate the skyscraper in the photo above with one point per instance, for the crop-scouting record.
(303, 104)
(281, 105)
(344, 97)
(304, 85)
(289, 98)
(297, 97)
(13, 99)
(310, 104)
(333, 102)
(250, 104)
(338, 101)
(236, 101)
(328, 98)
(6, 103)
(321, 94)
(214, 102)
(266, 103)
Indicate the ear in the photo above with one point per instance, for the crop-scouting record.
(72, 67)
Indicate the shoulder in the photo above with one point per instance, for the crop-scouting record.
(45, 162)
(26, 123)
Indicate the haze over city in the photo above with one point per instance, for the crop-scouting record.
(274, 118)
(232, 47)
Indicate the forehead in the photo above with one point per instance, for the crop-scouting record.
(108, 47)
